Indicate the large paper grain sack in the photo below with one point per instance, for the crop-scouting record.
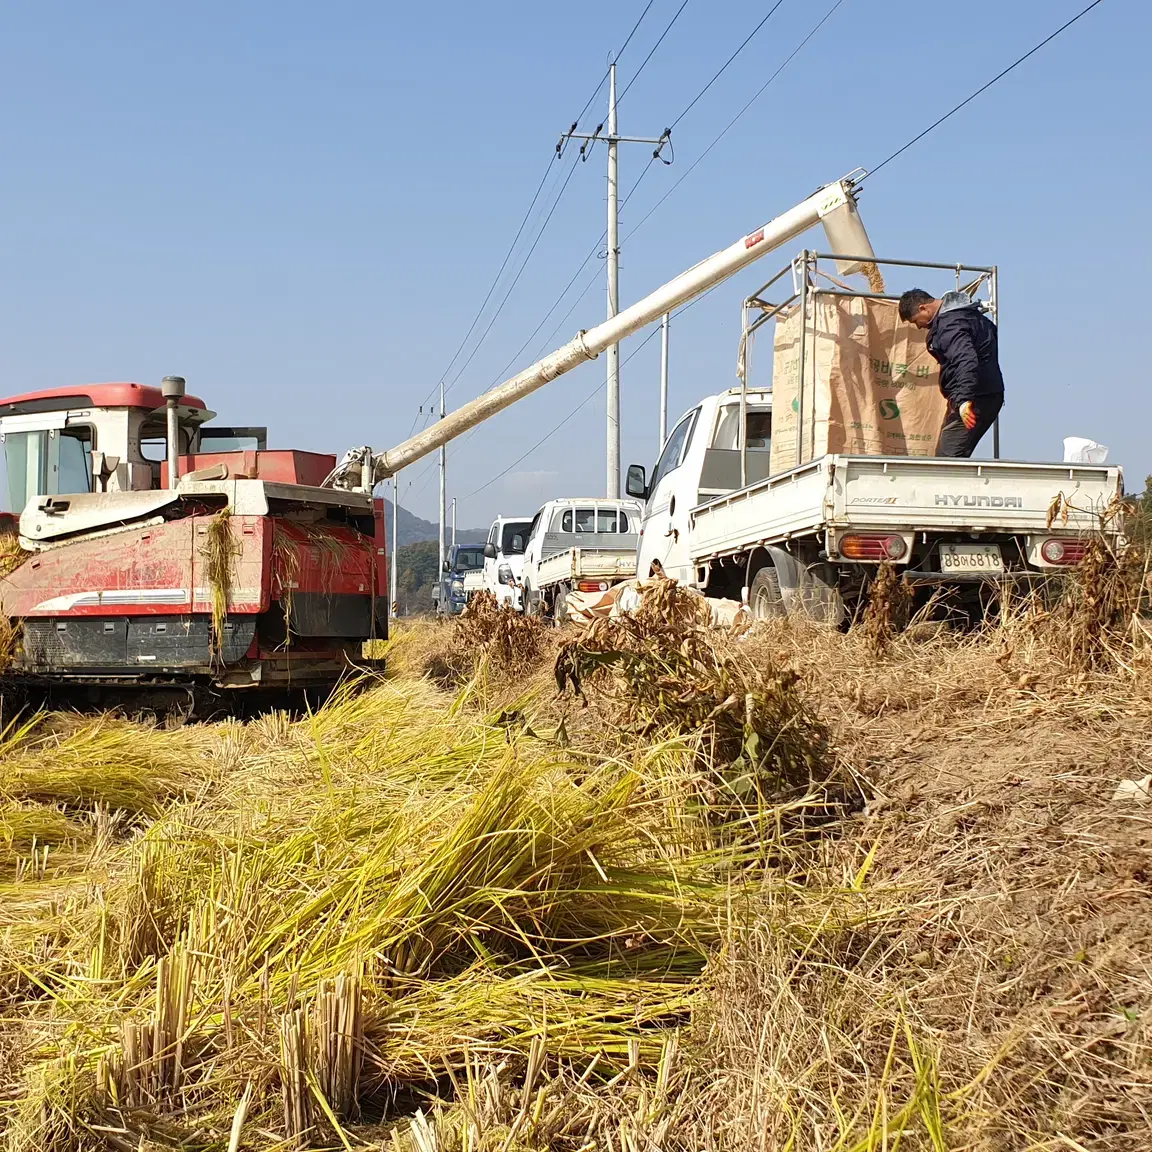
(871, 388)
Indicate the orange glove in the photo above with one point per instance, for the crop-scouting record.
(968, 414)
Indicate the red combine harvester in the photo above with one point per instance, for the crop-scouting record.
(246, 574)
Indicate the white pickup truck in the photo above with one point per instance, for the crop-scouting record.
(582, 544)
(504, 559)
(811, 538)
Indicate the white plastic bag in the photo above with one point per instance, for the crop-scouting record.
(1078, 450)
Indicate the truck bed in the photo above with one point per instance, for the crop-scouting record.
(905, 493)
(587, 564)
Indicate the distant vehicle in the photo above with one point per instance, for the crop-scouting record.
(504, 558)
(462, 578)
(584, 544)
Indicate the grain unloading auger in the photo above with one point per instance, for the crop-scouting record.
(833, 205)
(162, 558)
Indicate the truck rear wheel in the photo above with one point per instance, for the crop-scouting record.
(764, 596)
(560, 604)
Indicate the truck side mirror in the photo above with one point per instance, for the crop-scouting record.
(489, 551)
(636, 484)
(447, 565)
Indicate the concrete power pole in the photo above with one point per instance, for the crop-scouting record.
(612, 488)
(613, 139)
(443, 491)
(663, 381)
(453, 521)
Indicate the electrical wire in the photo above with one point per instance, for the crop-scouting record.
(516, 279)
(727, 128)
(739, 115)
(548, 435)
(724, 132)
(587, 399)
(616, 58)
(652, 52)
(501, 375)
(499, 274)
(528, 214)
(983, 88)
(724, 67)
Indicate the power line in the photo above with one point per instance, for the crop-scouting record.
(516, 279)
(587, 399)
(652, 52)
(984, 88)
(564, 292)
(500, 273)
(727, 128)
(528, 214)
(739, 115)
(643, 173)
(627, 41)
(548, 435)
(724, 67)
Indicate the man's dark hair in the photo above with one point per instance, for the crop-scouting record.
(911, 301)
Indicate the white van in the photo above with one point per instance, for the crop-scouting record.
(504, 558)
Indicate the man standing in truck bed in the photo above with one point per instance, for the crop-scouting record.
(963, 340)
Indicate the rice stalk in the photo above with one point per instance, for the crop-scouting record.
(220, 553)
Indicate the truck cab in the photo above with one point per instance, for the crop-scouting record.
(462, 576)
(700, 460)
(504, 558)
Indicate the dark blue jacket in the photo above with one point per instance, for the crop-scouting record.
(963, 341)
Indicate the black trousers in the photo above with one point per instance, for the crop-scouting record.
(956, 440)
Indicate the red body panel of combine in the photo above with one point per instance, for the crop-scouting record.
(277, 467)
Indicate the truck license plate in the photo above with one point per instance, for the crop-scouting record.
(970, 558)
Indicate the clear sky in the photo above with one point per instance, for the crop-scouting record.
(299, 207)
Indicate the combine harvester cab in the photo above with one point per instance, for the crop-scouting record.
(245, 577)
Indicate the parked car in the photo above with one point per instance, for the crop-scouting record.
(582, 544)
(462, 577)
(504, 558)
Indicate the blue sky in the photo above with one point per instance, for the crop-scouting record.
(299, 207)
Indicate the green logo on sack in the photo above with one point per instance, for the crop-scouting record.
(796, 404)
(889, 409)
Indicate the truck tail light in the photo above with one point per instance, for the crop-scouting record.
(867, 546)
(592, 585)
(1066, 551)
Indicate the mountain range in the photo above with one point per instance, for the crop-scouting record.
(411, 529)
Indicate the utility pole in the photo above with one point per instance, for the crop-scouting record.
(613, 139)
(443, 490)
(453, 521)
(663, 381)
(612, 489)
